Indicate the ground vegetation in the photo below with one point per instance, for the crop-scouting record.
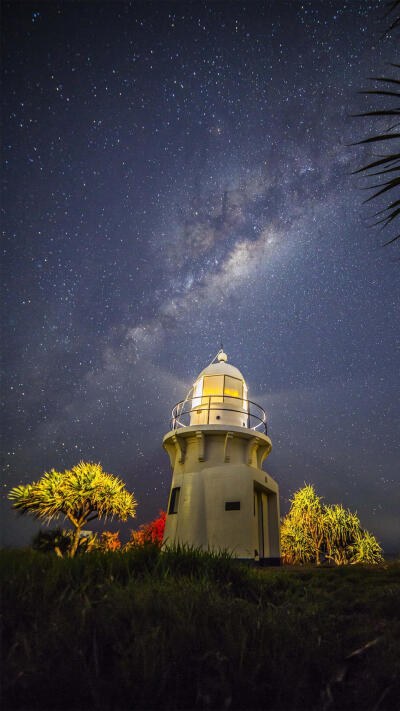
(180, 629)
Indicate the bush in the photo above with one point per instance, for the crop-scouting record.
(108, 542)
(59, 541)
(148, 533)
(314, 533)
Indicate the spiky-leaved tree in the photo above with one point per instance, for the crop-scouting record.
(80, 494)
(345, 540)
(366, 549)
(313, 532)
(296, 543)
(302, 530)
(341, 528)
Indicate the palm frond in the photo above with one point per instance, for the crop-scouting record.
(387, 80)
(395, 23)
(386, 186)
(396, 169)
(395, 157)
(374, 139)
(388, 164)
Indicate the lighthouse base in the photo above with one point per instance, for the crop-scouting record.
(221, 499)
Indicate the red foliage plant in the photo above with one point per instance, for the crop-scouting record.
(149, 532)
(109, 541)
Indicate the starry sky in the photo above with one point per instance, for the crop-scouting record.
(177, 175)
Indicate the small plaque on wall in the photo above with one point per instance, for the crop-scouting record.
(232, 505)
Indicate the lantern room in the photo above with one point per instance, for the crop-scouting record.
(219, 396)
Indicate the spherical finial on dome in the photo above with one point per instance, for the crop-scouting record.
(222, 357)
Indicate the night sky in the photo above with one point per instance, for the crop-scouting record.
(177, 175)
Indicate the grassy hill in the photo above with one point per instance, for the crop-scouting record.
(184, 630)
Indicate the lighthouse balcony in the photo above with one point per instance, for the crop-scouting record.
(219, 410)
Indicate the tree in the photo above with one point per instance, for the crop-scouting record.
(80, 494)
(302, 530)
(366, 549)
(312, 532)
(149, 532)
(341, 528)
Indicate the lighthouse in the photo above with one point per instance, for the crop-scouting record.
(221, 498)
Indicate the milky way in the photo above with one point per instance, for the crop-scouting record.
(177, 175)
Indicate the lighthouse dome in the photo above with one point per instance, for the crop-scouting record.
(222, 368)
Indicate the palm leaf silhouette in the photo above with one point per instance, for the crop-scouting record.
(387, 167)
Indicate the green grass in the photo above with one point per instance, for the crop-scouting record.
(185, 630)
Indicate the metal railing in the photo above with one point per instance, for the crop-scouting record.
(254, 415)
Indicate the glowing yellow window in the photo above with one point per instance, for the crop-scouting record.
(213, 385)
(233, 386)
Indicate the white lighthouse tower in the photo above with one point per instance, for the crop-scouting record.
(221, 499)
